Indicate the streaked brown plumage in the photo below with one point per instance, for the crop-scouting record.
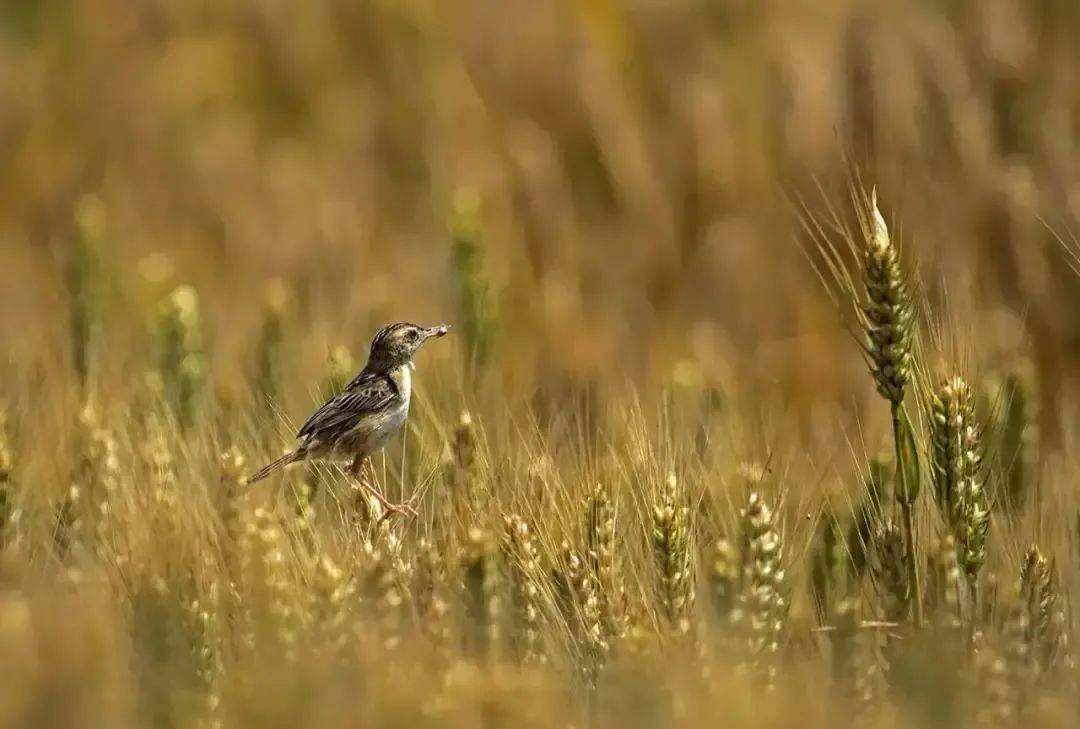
(373, 406)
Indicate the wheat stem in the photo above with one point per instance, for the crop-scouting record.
(907, 511)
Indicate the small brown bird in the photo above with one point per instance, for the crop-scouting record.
(373, 406)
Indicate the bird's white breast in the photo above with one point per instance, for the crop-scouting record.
(403, 379)
(396, 417)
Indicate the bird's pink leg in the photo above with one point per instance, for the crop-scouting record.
(359, 471)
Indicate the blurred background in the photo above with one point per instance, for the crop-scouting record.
(598, 194)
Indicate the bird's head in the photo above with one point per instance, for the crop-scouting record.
(396, 344)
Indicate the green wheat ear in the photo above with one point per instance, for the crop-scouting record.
(181, 355)
(890, 573)
(267, 367)
(1048, 625)
(1018, 435)
(888, 320)
(602, 555)
(474, 307)
(829, 566)
(82, 277)
(861, 531)
(888, 315)
(956, 456)
(481, 582)
(671, 553)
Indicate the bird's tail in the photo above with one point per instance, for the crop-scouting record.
(285, 460)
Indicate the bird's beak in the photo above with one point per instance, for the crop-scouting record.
(439, 331)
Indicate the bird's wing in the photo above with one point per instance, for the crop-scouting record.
(368, 393)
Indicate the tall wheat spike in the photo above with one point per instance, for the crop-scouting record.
(956, 457)
(601, 553)
(828, 576)
(525, 592)
(483, 608)
(891, 573)
(762, 607)
(433, 602)
(671, 553)
(945, 582)
(98, 478)
(232, 468)
(855, 672)
(725, 581)
(887, 311)
(384, 579)
(271, 583)
(1018, 438)
(867, 515)
(84, 282)
(997, 697)
(894, 591)
(165, 494)
(182, 363)
(332, 597)
(887, 317)
(474, 305)
(1046, 623)
(577, 588)
(1020, 660)
(206, 651)
(468, 492)
(266, 371)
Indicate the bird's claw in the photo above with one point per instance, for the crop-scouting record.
(403, 509)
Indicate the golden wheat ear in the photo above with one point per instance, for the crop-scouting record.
(285, 460)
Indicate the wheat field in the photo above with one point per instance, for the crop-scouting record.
(759, 407)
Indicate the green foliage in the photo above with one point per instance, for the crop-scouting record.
(83, 279)
(828, 574)
(267, 373)
(182, 365)
(1017, 439)
(467, 257)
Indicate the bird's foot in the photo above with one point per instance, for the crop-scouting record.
(404, 509)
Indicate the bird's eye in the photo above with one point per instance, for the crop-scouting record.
(412, 335)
